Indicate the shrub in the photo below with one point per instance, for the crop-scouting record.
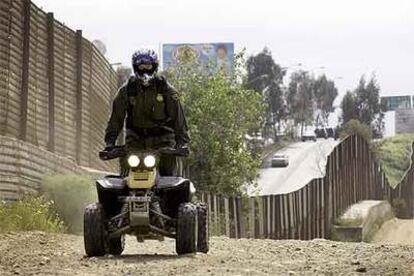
(70, 194)
(30, 213)
(356, 127)
(394, 155)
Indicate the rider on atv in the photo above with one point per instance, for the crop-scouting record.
(154, 115)
(149, 199)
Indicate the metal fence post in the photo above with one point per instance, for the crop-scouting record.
(25, 70)
(227, 216)
(79, 59)
(252, 218)
(51, 78)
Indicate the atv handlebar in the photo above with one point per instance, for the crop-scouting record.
(120, 151)
(112, 153)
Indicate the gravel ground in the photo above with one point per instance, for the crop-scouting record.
(37, 253)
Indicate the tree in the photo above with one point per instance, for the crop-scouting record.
(266, 77)
(368, 100)
(349, 108)
(300, 98)
(364, 104)
(325, 94)
(220, 112)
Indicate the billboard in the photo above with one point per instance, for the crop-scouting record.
(216, 57)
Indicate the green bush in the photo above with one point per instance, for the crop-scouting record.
(394, 155)
(356, 127)
(30, 213)
(70, 194)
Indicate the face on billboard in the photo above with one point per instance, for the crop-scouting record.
(221, 53)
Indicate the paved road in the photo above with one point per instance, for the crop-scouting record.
(307, 160)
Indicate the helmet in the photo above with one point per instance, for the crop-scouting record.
(145, 64)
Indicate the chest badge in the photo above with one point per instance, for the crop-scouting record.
(160, 98)
(132, 101)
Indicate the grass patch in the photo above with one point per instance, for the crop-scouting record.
(394, 155)
(30, 213)
(70, 194)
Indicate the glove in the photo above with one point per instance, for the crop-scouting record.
(109, 147)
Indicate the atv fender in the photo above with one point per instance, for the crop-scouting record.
(109, 189)
(165, 182)
(111, 183)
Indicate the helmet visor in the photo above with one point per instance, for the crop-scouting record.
(145, 67)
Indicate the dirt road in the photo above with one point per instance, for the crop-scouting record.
(36, 253)
(396, 231)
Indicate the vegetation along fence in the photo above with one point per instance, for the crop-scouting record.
(351, 175)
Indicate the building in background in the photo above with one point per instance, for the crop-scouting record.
(395, 102)
(399, 115)
(215, 57)
(404, 120)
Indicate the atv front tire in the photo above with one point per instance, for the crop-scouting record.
(186, 234)
(203, 233)
(116, 245)
(94, 230)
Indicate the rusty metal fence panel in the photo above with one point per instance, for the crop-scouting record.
(55, 86)
(11, 34)
(43, 66)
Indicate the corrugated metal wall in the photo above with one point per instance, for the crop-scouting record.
(55, 86)
(60, 63)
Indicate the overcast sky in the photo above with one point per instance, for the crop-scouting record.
(348, 37)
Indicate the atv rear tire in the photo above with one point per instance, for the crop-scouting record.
(116, 245)
(203, 233)
(186, 234)
(94, 230)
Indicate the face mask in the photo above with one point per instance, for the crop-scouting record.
(145, 78)
(145, 74)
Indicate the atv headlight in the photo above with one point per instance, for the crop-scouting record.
(133, 161)
(149, 161)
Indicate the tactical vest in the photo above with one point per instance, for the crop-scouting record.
(147, 106)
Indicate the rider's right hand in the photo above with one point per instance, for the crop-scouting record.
(109, 147)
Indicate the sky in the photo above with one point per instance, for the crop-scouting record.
(343, 39)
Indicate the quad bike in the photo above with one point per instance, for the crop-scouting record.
(146, 205)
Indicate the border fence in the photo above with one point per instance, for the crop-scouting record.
(55, 86)
(56, 90)
(352, 175)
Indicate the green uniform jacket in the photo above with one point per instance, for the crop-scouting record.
(151, 112)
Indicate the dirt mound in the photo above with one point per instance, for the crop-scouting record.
(396, 231)
(36, 253)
